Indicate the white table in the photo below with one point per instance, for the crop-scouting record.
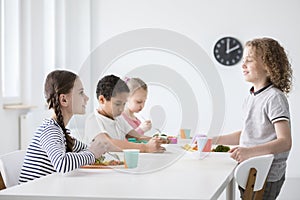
(175, 177)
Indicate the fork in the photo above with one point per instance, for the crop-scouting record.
(114, 155)
(158, 130)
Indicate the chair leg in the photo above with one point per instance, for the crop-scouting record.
(248, 194)
(259, 194)
(2, 185)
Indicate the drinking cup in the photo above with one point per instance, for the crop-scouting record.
(185, 133)
(207, 147)
(201, 142)
(131, 157)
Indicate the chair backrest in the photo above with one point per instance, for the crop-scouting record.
(10, 167)
(262, 165)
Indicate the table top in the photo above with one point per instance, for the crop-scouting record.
(175, 174)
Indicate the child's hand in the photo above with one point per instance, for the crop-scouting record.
(146, 125)
(153, 146)
(240, 153)
(101, 144)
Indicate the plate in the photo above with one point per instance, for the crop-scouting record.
(97, 166)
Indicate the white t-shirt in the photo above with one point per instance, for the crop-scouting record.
(261, 110)
(97, 123)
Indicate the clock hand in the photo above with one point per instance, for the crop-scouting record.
(227, 44)
(232, 49)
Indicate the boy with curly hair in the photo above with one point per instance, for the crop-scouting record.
(266, 128)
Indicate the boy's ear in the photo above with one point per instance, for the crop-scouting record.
(268, 71)
(101, 99)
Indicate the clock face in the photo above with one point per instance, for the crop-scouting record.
(228, 51)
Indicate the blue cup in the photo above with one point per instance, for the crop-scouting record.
(131, 157)
(201, 142)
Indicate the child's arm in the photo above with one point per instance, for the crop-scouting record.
(229, 139)
(138, 136)
(283, 143)
(152, 146)
(53, 144)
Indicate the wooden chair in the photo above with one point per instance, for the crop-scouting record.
(251, 175)
(2, 185)
(10, 167)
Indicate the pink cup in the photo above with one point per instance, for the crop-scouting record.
(207, 147)
(173, 140)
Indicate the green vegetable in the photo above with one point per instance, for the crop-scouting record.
(221, 148)
(100, 160)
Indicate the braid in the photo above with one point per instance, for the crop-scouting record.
(60, 121)
(59, 82)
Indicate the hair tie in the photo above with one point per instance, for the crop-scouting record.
(126, 79)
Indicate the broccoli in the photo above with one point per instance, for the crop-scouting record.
(221, 148)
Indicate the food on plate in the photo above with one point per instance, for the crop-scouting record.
(102, 161)
(161, 135)
(221, 148)
(189, 147)
(165, 138)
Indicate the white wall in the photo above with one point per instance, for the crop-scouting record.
(38, 58)
(204, 22)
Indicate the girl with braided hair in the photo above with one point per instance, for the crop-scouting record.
(52, 149)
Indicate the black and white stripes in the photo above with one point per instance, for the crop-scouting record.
(47, 153)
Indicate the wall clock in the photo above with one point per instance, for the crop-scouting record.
(228, 51)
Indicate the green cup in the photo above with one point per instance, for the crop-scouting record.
(131, 157)
(132, 140)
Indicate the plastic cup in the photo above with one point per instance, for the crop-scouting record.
(132, 140)
(201, 143)
(173, 140)
(185, 133)
(207, 147)
(131, 157)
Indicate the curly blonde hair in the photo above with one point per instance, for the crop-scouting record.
(275, 59)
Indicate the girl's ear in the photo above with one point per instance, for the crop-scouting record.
(63, 100)
(101, 99)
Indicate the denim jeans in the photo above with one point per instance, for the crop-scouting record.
(272, 189)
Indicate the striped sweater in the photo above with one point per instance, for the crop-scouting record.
(47, 153)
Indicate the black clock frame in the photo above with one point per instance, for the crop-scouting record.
(228, 51)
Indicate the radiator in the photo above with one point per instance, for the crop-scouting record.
(26, 130)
